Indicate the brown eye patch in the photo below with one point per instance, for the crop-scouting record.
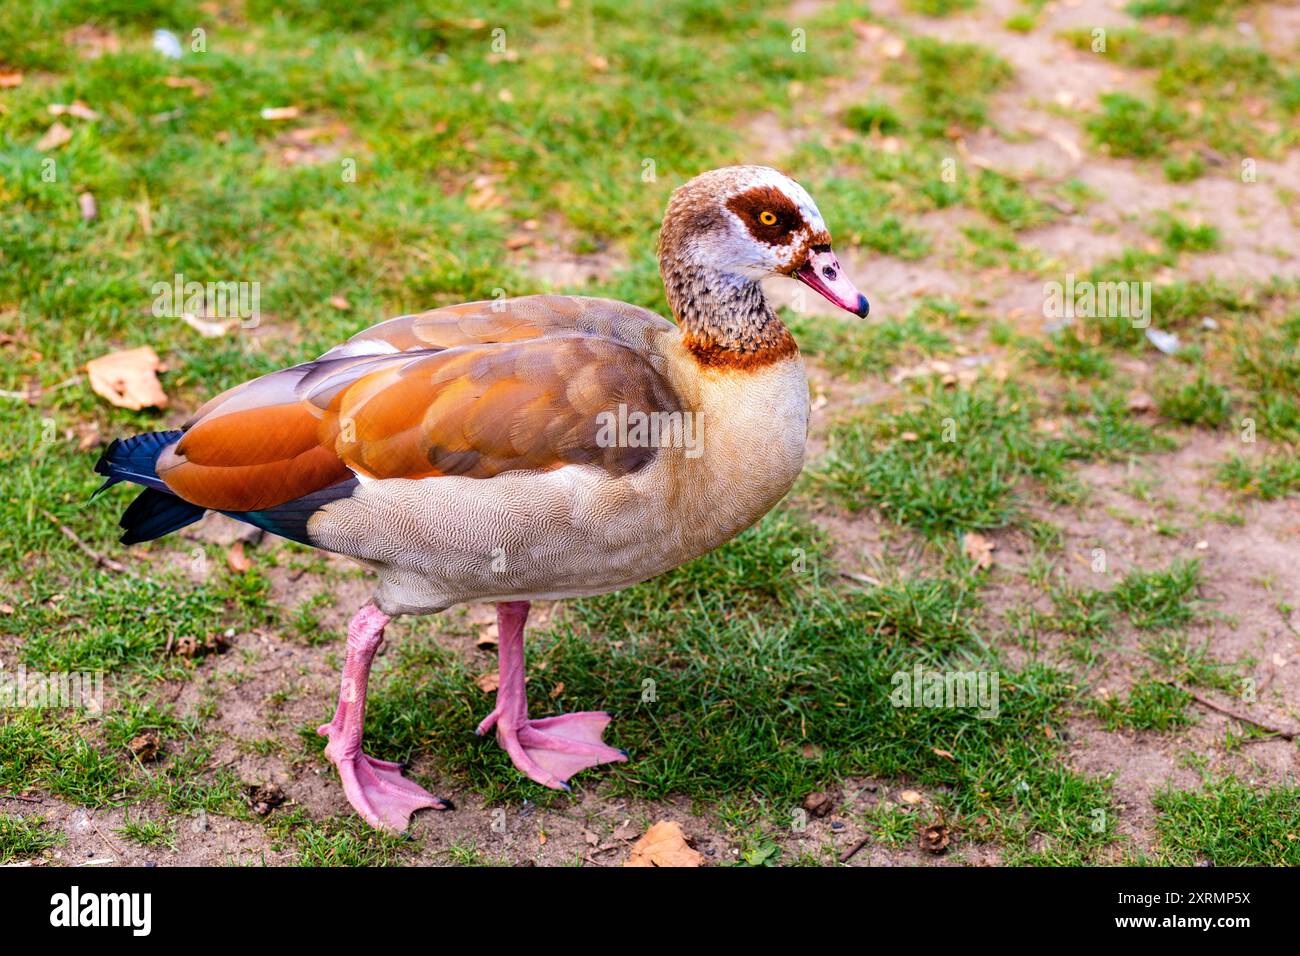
(768, 214)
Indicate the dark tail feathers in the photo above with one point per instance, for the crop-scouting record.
(156, 511)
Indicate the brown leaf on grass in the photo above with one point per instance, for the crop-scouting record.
(979, 549)
(146, 746)
(187, 82)
(340, 303)
(557, 690)
(489, 682)
(1141, 402)
(128, 379)
(893, 48)
(54, 137)
(89, 208)
(281, 113)
(76, 108)
(910, 797)
(236, 559)
(946, 755)
(935, 838)
(265, 798)
(818, 803)
(10, 79)
(194, 647)
(663, 844)
(88, 436)
(92, 41)
(207, 328)
(488, 638)
(311, 145)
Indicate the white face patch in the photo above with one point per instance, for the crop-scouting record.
(766, 176)
(736, 249)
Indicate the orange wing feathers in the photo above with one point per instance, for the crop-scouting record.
(465, 390)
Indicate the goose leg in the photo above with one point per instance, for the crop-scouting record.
(376, 788)
(552, 749)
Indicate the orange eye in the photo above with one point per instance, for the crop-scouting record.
(767, 217)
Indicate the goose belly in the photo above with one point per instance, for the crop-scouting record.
(577, 530)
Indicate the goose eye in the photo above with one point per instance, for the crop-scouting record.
(767, 217)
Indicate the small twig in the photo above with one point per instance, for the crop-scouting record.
(31, 395)
(860, 578)
(14, 796)
(849, 853)
(1235, 714)
(87, 549)
(109, 843)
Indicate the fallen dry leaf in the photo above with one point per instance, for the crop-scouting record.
(488, 638)
(979, 549)
(76, 108)
(208, 329)
(947, 755)
(910, 797)
(489, 682)
(819, 804)
(236, 559)
(1140, 402)
(194, 647)
(186, 82)
(265, 798)
(935, 838)
(88, 436)
(8, 80)
(340, 303)
(663, 844)
(128, 379)
(89, 208)
(146, 746)
(92, 41)
(281, 113)
(893, 48)
(54, 137)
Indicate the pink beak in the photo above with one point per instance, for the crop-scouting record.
(823, 273)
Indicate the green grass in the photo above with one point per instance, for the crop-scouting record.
(960, 460)
(147, 832)
(860, 347)
(949, 84)
(1130, 126)
(1195, 11)
(1269, 478)
(1160, 598)
(1195, 401)
(22, 838)
(1228, 823)
(1149, 705)
(1218, 77)
(940, 8)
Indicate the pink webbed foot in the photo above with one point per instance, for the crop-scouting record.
(553, 749)
(377, 789)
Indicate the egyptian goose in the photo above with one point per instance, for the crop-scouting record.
(540, 447)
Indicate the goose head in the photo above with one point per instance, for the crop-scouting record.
(732, 227)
